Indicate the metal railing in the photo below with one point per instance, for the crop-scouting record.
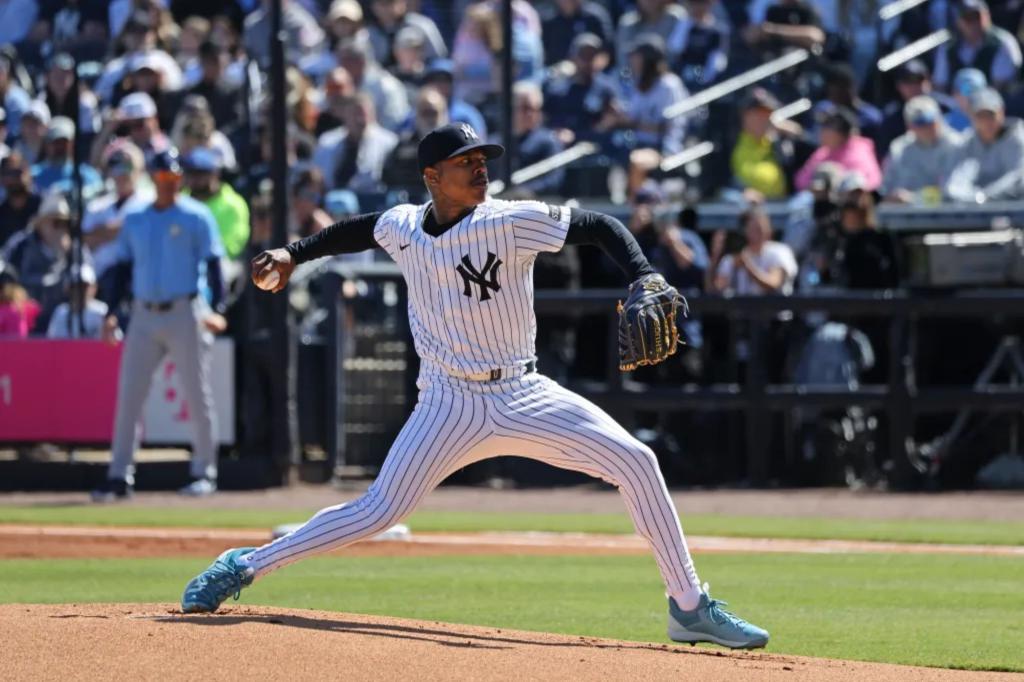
(899, 398)
(738, 82)
(552, 163)
(894, 9)
(914, 49)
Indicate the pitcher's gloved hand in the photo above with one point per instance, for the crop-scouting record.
(647, 322)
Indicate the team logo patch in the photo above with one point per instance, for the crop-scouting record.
(175, 229)
(486, 278)
(555, 212)
(468, 132)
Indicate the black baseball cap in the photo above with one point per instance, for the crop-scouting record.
(453, 140)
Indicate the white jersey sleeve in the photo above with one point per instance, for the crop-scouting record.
(537, 227)
(393, 224)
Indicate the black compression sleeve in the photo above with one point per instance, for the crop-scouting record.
(350, 235)
(119, 277)
(590, 227)
(215, 280)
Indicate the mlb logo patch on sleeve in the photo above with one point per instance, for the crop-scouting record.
(555, 212)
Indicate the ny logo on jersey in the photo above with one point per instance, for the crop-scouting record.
(468, 132)
(471, 276)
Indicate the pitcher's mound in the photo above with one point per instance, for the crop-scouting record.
(153, 641)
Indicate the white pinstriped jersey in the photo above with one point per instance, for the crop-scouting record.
(471, 288)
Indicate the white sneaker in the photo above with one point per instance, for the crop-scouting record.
(201, 487)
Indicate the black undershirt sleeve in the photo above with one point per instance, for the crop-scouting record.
(598, 229)
(350, 235)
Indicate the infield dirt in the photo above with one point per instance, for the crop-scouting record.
(71, 642)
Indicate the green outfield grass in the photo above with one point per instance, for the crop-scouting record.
(949, 611)
(910, 530)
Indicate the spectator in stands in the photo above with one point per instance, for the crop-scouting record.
(867, 257)
(302, 33)
(80, 285)
(60, 78)
(475, 55)
(576, 102)
(18, 311)
(653, 89)
(920, 160)
(980, 45)
(390, 100)
(195, 31)
(534, 141)
(762, 266)
(56, 170)
(409, 61)
(337, 86)
(763, 151)
(440, 75)
(841, 143)
(841, 91)
(122, 165)
(144, 75)
(784, 25)
(345, 19)
(698, 48)
(40, 254)
(14, 99)
(990, 163)
(913, 79)
(223, 97)
(306, 200)
(401, 170)
(20, 199)
(390, 17)
(965, 84)
(202, 168)
(35, 121)
(139, 39)
(195, 128)
(353, 156)
(565, 20)
(658, 17)
(135, 119)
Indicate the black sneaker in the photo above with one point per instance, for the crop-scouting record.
(112, 490)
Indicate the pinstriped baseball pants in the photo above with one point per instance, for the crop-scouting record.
(456, 423)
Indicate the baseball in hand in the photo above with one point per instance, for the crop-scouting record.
(269, 281)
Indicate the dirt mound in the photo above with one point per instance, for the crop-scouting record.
(152, 641)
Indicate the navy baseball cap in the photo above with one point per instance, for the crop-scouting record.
(166, 160)
(453, 140)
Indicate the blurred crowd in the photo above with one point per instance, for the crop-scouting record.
(116, 82)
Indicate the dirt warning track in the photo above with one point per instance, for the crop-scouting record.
(69, 642)
(26, 541)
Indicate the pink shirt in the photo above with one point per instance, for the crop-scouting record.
(16, 320)
(858, 154)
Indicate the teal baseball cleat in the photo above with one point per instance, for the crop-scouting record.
(709, 622)
(223, 578)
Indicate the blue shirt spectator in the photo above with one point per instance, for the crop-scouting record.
(14, 99)
(57, 171)
(534, 142)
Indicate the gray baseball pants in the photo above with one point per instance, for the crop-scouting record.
(151, 336)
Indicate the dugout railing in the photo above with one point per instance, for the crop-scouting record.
(899, 398)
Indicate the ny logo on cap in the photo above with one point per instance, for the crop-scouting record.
(468, 132)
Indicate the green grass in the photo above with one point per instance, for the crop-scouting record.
(949, 611)
(907, 530)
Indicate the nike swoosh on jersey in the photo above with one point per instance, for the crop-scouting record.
(403, 248)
